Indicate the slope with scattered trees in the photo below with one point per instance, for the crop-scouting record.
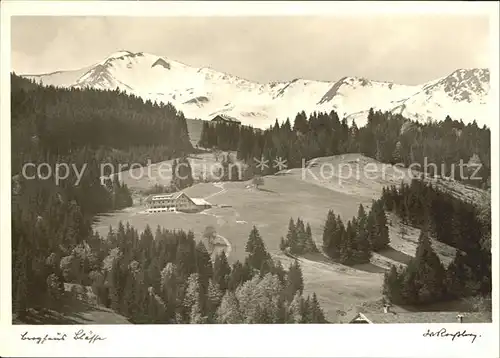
(386, 137)
(299, 239)
(51, 221)
(450, 220)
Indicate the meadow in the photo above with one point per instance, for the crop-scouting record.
(289, 194)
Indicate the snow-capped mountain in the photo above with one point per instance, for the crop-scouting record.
(203, 92)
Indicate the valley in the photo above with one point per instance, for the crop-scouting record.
(340, 289)
(336, 283)
(202, 173)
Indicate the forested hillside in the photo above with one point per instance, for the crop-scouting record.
(387, 138)
(161, 278)
(82, 129)
(50, 121)
(166, 276)
(463, 225)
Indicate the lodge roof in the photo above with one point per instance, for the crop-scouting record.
(167, 196)
(170, 196)
(174, 196)
(200, 201)
(226, 118)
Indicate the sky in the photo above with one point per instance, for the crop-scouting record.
(406, 49)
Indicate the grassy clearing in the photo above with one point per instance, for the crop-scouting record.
(338, 287)
(268, 208)
(295, 193)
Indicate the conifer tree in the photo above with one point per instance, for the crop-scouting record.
(378, 231)
(283, 245)
(287, 126)
(174, 181)
(409, 286)
(347, 244)
(392, 285)
(459, 279)
(338, 238)
(196, 315)
(278, 270)
(309, 245)
(305, 308)
(248, 269)
(301, 237)
(129, 301)
(295, 281)
(329, 231)
(169, 288)
(300, 124)
(295, 310)
(361, 242)
(237, 276)
(185, 256)
(20, 281)
(430, 272)
(383, 228)
(193, 294)
(114, 290)
(182, 176)
(292, 239)
(276, 125)
(256, 249)
(214, 297)
(222, 271)
(281, 315)
(228, 311)
(317, 314)
(152, 314)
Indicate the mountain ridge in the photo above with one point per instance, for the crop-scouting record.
(203, 92)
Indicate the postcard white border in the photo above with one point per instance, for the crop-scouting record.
(241, 340)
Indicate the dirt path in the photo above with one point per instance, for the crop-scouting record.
(222, 190)
(217, 185)
(313, 264)
(318, 265)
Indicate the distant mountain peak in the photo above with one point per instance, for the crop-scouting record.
(203, 92)
(117, 55)
(464, 84)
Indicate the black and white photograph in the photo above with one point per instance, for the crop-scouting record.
(317, 169)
